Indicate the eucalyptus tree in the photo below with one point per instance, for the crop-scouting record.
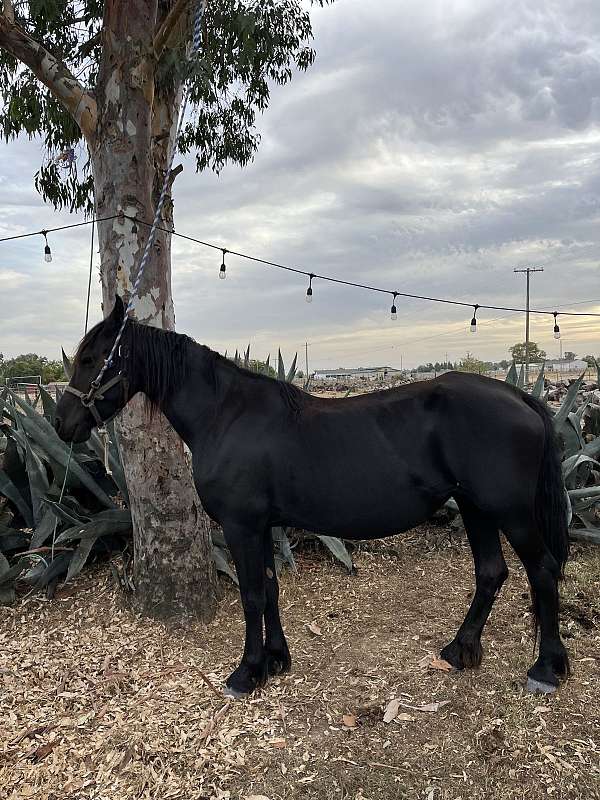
(107, 78)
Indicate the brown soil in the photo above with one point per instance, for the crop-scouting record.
(98, 703)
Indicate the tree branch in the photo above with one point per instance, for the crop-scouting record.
(167, 26)
(51, 72)
(9, 10)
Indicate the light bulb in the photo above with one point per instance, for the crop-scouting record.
(556, 332)
(222, 272)
(309, 295)
(47, 253)
(394, 314)
(473, 327)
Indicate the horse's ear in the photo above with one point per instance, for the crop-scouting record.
(118, 312)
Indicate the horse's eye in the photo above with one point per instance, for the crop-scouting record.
(87, 361)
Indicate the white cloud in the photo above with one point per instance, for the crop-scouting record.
(432, 148)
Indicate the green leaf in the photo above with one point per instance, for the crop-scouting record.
(80, 556)
(8, 489)
(44, 529)
(101, 524)
(48, 404)
(38, 482)
(292, 370)
(571, 463)
(591, 535)
(563, 412)
(338, 549)
(7, 588)
(538, 388)
(222, 564)
(281, 539)
(114, 458)
(67, 366)
(511, 375)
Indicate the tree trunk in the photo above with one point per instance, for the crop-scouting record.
(174, 572)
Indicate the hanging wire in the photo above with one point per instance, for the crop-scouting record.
(307, 273)
(87, 305)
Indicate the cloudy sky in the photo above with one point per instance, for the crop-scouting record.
(433, 148)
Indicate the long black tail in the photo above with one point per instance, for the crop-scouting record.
(550, 502)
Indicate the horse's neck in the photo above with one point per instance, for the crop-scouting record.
(189, 404)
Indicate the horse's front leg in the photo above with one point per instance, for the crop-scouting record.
(246, 546)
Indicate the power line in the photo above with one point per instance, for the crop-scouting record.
(299, 271)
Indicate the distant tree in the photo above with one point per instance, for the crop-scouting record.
(570, 356)
(504, 364)
(518, 351)
(31, 364)
(471, 363)
(591, 361)
(261, 366)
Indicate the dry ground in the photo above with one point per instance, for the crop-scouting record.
(97, 703)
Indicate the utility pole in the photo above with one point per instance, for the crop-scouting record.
(306, 359)
(527, 271)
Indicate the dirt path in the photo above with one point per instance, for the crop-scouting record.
(96, 703)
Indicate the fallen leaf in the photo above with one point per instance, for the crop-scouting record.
(391, 711)
(44, 750)
(541, 709)
(404, 717)
(256, 797)
(349, 720)
(314, 628)
(392, 708)
(279, 743)
(432, 706)
(440, 664)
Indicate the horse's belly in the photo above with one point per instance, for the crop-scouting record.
(365, 513)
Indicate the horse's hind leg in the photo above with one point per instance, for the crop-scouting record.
(278, 654)
(543, 573)
(246, 546)
(490, 573)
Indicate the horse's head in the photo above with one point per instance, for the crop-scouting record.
(78, 411)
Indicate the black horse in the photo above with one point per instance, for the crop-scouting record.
(266, 453)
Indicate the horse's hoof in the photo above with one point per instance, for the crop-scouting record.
(539, 687)
(229, 691)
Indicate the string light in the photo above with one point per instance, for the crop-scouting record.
(556, 328)
(222, 273)
(309, 291)
(47, 251)
(474, 320)
(393, 311)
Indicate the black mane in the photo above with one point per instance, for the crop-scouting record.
(156, 359)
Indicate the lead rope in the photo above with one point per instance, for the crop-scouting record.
(196, 43)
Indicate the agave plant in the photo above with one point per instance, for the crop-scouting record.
(579, 457)
(66, 506)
